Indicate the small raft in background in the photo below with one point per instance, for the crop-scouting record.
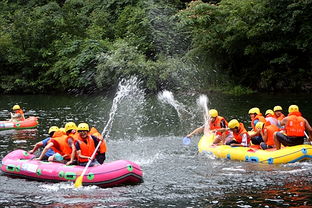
(248, 154)
(28, 123)
(122, 172)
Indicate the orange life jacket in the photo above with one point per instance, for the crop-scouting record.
(295, 125)
(270, 119)
(271, 129)
(20, 111)
(86, 147)
(103, 145)
(58, 134)
(217, 124)
(257, 117)
(280, 117)
(239, 135)
(61, 146)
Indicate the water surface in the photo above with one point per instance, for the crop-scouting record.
(150, 133)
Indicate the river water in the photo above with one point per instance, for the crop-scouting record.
(149, 132)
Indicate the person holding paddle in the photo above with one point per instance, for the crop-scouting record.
(85, 145)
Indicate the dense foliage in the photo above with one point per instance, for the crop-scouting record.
(265, 44)
(56, 46)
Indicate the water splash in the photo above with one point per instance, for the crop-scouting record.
(168, 98)
(125, 88)
(131, 110)
(202, 102)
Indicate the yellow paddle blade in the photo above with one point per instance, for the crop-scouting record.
(78, 182)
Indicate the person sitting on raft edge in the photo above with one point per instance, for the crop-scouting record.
(241, 137)
(63, 145)
(44, 143)
(217, 124)
(18, 114)
(294, 131)
(85, 145)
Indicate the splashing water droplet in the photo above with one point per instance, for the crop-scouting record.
(202, 102)
(167, 97)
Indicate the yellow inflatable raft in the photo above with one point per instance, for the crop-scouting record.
(284, 155)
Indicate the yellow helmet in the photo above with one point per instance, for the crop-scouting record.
(53, 128)
(277, 108)
(83, 127)
(293, 108)
(70, 126)
(16, 107)
(269, 111)
(213, 113)
(259, 125)
(254, 110)
(233, 124)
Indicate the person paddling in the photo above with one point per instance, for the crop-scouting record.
(294, 131)
(18, 114)
(217, 124)
(85, 145)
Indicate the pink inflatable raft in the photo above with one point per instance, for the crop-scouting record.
(28, 123)
(122, 172)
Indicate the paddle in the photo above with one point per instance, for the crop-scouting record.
(305, 133)
(186, 140)
(122, 92)
(78, 181)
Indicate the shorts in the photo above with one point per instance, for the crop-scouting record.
(256, 140)
(232, 142)
(265, 146)
(289, 141)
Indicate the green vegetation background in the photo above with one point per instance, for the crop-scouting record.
(89, 45)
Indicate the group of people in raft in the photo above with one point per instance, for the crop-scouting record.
(72, 145)
(268, 131)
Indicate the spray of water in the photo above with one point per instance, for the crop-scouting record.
(131, 111)
(125, 88)
(168, 98)
(202, 102)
